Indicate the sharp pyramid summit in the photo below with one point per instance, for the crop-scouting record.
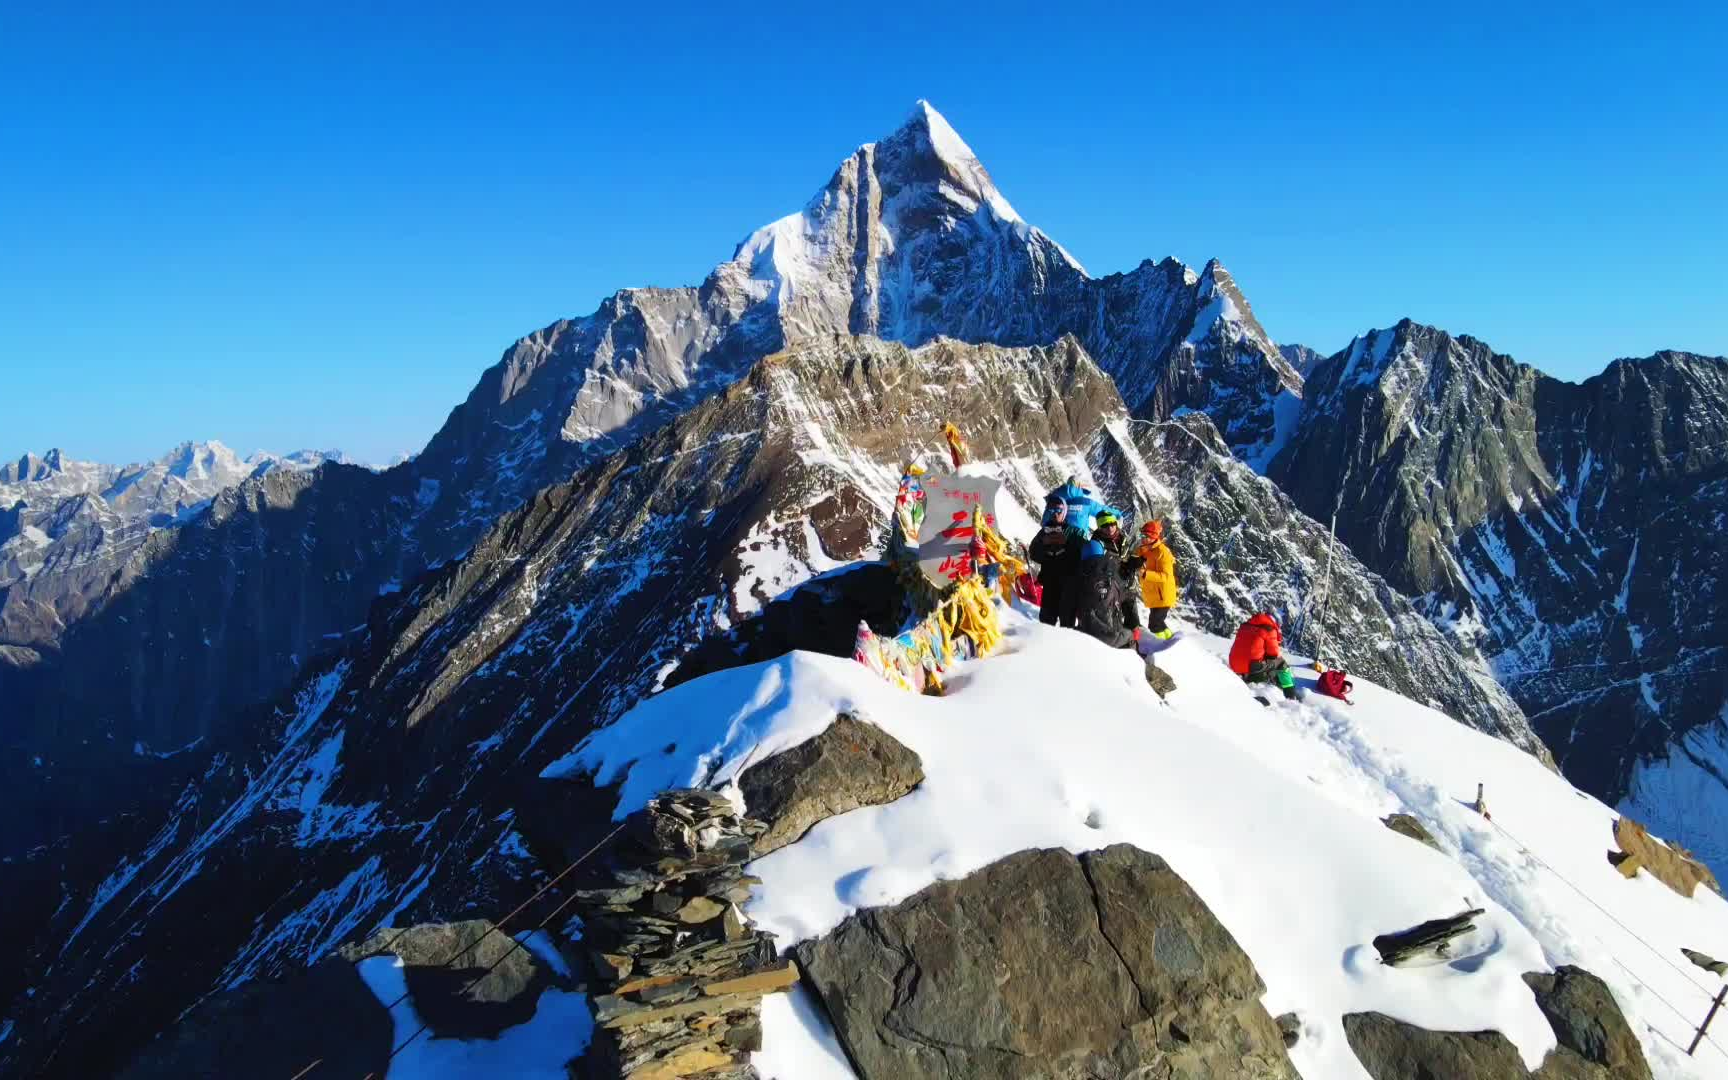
(330, 698)
(910, 240)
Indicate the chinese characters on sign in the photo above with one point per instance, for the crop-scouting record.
(955, 552)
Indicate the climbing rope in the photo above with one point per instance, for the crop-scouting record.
(1654, 951)
(515, 944)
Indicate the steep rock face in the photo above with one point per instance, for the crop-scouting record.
(1047, 965)
(387, 772)
(386, 784)
(1300, 357)
(256, 579)
(909, 240)
(1242, 546)
(1567, 533)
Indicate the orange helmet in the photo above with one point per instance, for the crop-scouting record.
(1153, 531)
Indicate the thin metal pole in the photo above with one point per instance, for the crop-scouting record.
(1705, 1026)
(1326, 588)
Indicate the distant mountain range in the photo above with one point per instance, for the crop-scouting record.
(320, 692)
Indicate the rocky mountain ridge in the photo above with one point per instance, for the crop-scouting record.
(67, 527)
(1564, 532)
(425, 725)
(909, 239)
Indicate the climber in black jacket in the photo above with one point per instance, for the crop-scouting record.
(1099, 593)
(1056, 550)
(1115, 541)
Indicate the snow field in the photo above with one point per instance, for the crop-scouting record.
(1270, 814)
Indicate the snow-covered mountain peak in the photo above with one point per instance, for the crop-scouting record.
(926, 139)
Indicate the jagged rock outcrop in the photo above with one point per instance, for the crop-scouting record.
(1242, 546)
(1044, 964)
(852, 763)
(1589, 1026)
(466, 980)
(1595, 1042)
(1559, 530)
(909, 240)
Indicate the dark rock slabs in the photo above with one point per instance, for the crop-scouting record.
(1045, 964)
(853, 763)
(1595, 1042)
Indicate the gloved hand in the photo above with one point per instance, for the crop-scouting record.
(1143, 641)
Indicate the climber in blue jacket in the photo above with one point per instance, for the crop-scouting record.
(1080, 508)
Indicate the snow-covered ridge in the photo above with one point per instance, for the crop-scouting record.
(1268, 813)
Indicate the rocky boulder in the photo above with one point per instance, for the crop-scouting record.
(277, 1028)
(853, 763)
(1411, 826)
(1595, 1042)
(1393, 1050)
(1047, 965)
(1675, 869)
(446, 969)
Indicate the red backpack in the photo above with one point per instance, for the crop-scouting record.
(1334, 684)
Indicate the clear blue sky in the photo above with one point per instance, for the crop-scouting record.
(316, 229)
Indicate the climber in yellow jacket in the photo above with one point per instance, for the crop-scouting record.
(1157, 578)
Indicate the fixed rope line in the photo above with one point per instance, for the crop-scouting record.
(515, 944)
(1682, 972)
(1630, 932)
(1687, 1020)
(498, 927)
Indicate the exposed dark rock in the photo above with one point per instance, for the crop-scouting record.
(1595, 1042)
(1411, 826)
(852, 763)
(820, 616)
(1706, 961)
(1543, 523)
(1589, 1026)
(441, 960)
(1289, 1026)
(1043, 964)
(1159, 680)
(1431, 937)
(277, 1028)
(1393, 1050)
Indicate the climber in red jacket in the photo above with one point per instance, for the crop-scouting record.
(1256, 654)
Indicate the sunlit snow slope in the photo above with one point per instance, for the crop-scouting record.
(1271, 814)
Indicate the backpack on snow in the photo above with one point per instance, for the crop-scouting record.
(1334, 684)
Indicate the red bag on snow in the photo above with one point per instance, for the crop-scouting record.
(1334, 684)
(1029, 590)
